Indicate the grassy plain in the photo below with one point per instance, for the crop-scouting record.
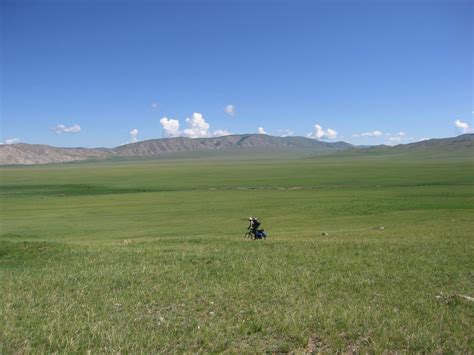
(149, 256)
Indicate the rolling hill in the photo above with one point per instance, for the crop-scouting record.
(22, 153)
(44, 154)
(463, 144)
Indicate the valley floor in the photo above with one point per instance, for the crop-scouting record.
(151, 257)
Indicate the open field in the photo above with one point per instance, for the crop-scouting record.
(150, 256)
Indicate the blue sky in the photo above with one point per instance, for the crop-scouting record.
(103, 73)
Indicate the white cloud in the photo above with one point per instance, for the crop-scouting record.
(60, 129)
(133, 135)
(463, 126)
(170, 127)
(220, 133)
(197, 127)
(320, 133)
(286, 132)
(375, 133)
(372, 134)
(331, 133)
(230, 110)
(396, 139)
(11, 141)
(260, 130)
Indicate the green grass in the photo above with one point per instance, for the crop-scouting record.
(186, 280)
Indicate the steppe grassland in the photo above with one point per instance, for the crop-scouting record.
(150, 256)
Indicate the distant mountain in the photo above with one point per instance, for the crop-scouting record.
(249, 142)
(21, 153)
(462, 143)
(44, 154)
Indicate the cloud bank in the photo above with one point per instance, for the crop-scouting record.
(260, 130)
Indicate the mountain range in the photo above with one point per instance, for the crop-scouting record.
(22, 153)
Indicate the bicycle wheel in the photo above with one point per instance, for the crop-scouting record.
(248, 235)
